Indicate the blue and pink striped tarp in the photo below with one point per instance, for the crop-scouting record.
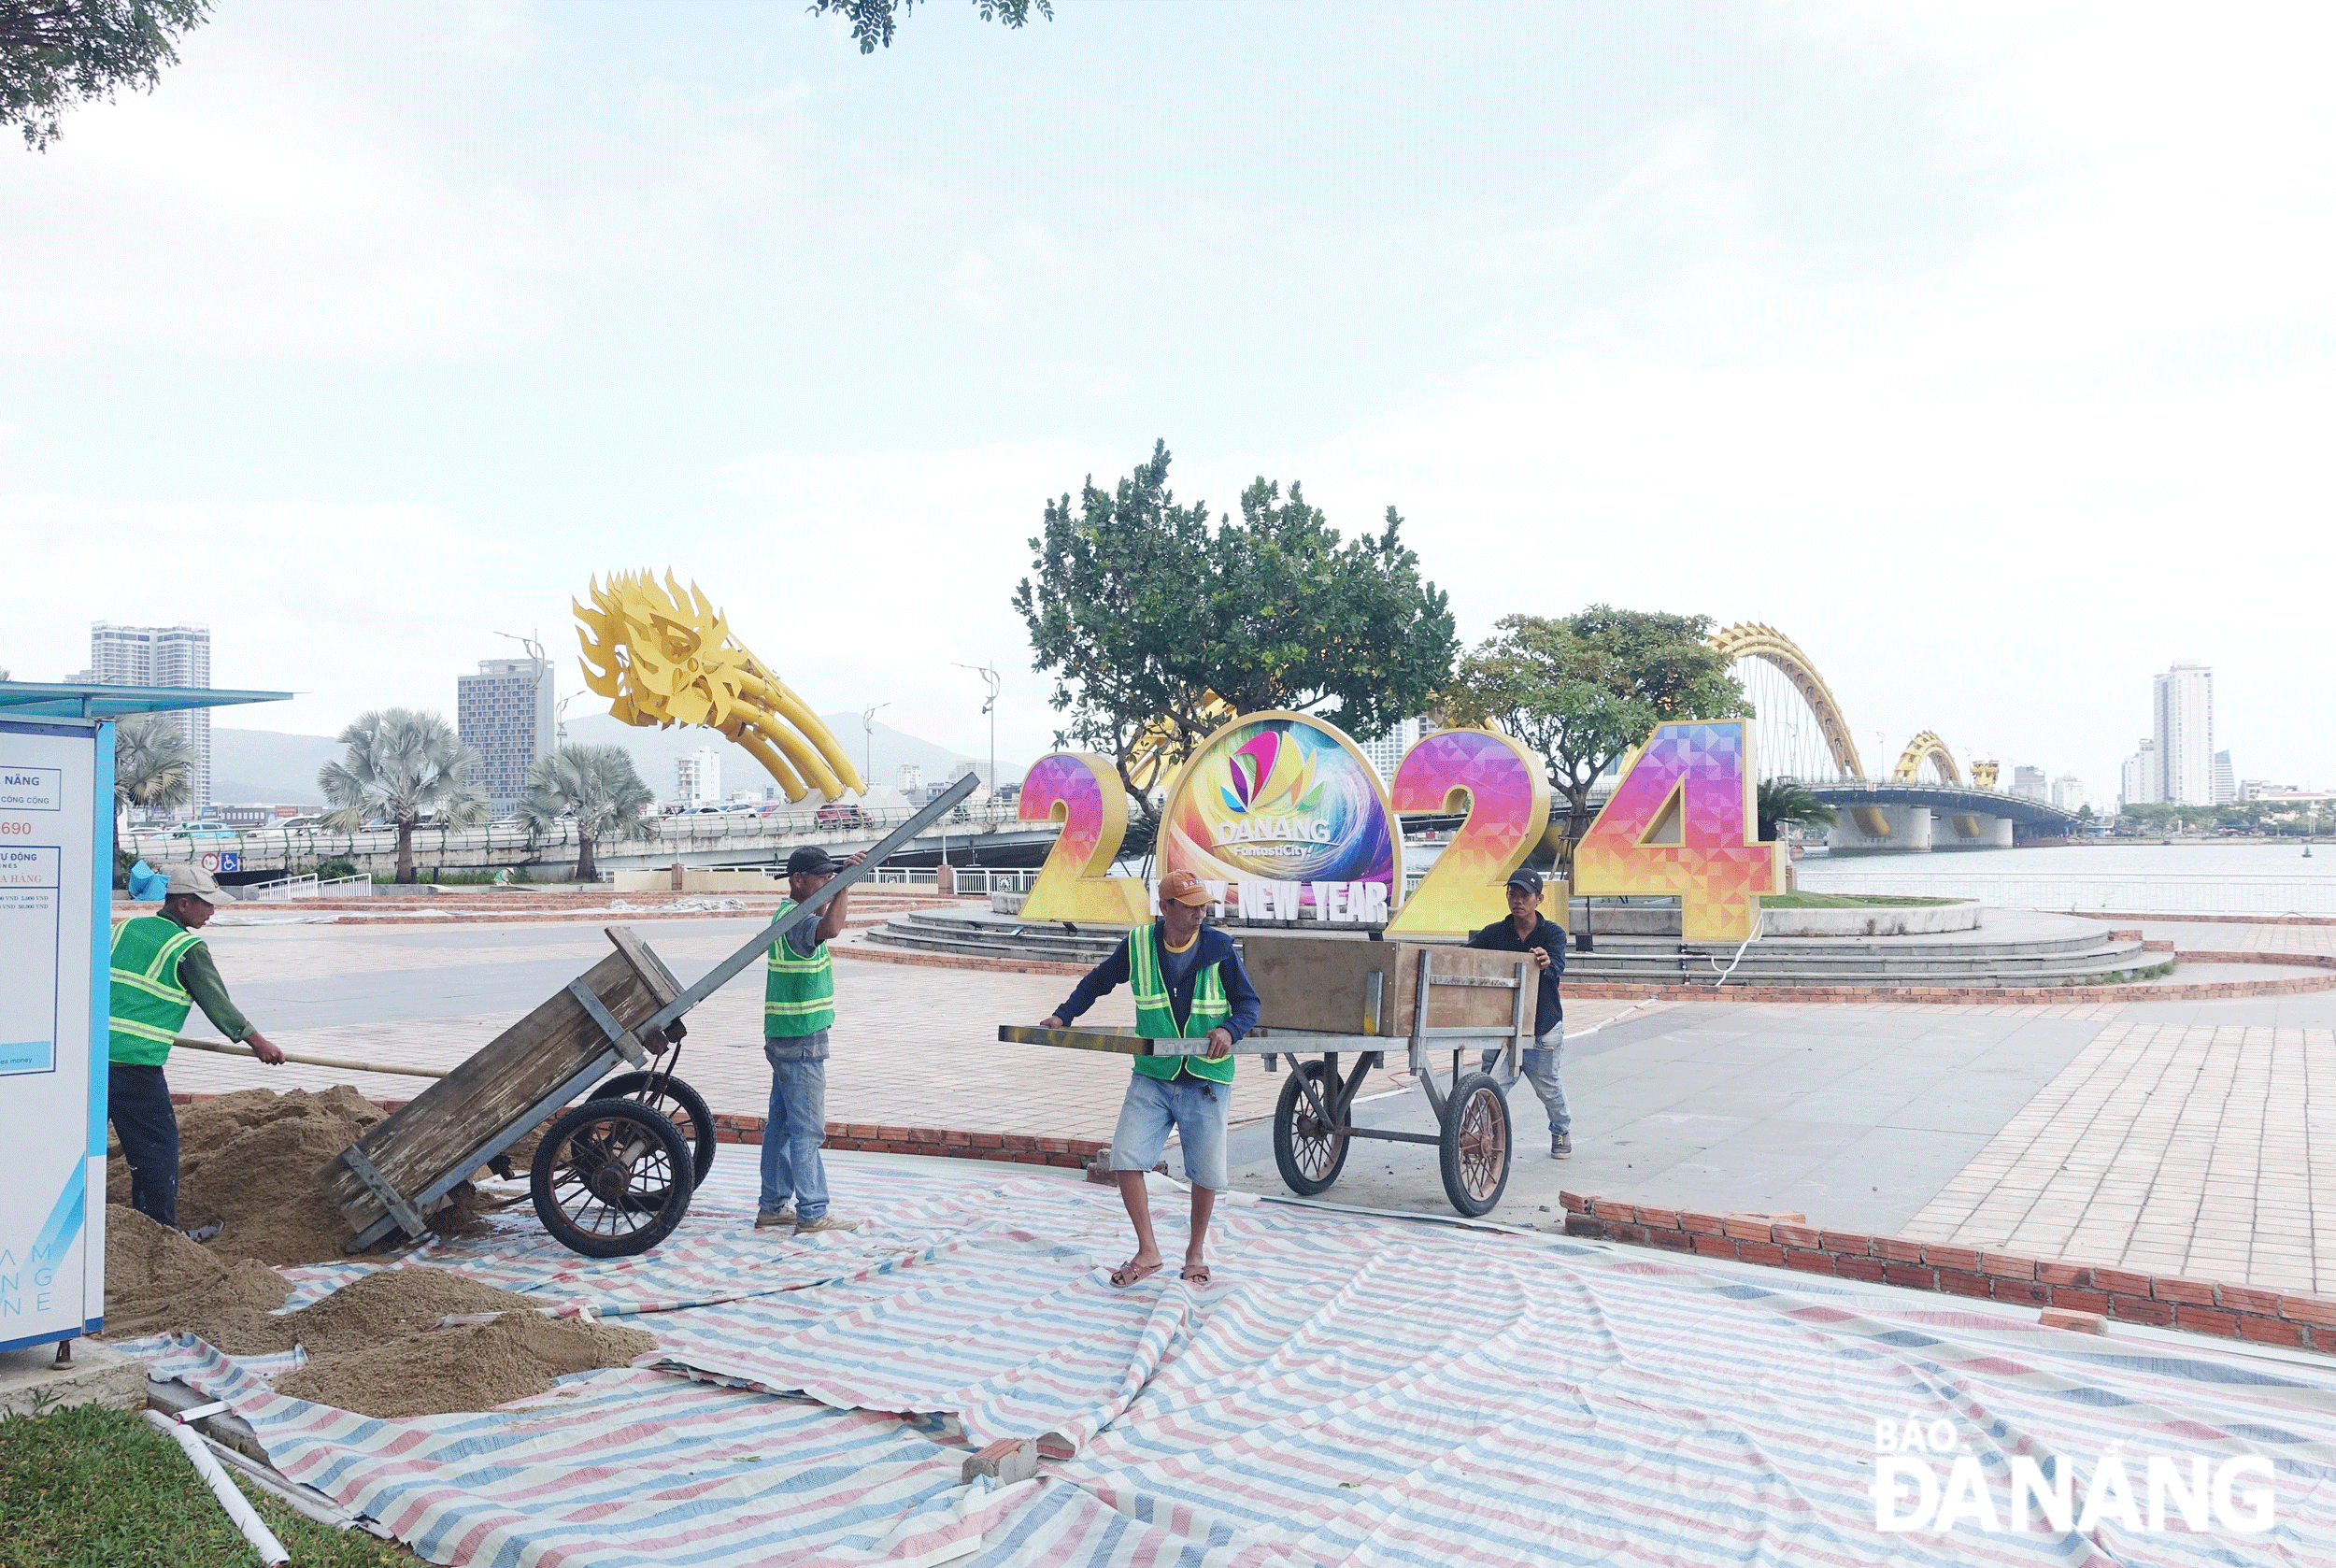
(1353, 1390)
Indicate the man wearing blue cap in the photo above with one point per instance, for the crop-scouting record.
(798, 1005)
(1526, 931)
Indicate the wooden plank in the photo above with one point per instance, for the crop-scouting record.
(446, 1127)
(1317, 982)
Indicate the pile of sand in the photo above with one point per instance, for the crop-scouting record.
(157, 1279)
(375, 1310)
(474, 1368)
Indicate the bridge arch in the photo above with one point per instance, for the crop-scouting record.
(1926, 746)
(1752, 640)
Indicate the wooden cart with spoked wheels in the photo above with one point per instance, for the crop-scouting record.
(1389, 990)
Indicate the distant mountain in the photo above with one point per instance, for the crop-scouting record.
(281, 769)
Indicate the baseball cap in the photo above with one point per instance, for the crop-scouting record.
(193, 881)
(1183, 886)
(1527, 878)
(812, 861)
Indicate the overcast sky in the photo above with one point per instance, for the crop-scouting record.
(1985, 351)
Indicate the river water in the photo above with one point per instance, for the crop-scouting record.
(2205, 877)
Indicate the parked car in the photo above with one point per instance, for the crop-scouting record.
(201, 830)
(301, 822)
(843, 814)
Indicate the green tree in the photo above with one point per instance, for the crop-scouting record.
(1146, 618)
(1786, 800)
(402, 766)
(597, 788)
(1583, 689)
(57, 54)
(873, 21)
(153, 762)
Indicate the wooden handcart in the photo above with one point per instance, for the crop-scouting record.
(1389, 990)
(611, 1176)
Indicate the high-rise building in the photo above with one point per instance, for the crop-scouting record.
(698, 777)
(2068, 792)
(2226, 786)
(2030, 781)
(504, 714)
(161, 656)
(1385, 753)
(911, 780)
(2181, 703)
(2140, 781)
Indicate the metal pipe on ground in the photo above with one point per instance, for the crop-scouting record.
(231, 1499)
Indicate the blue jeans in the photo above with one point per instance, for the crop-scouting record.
(1195, 1107)
(794, 1129)
(137, 1103)
(1539, 1064)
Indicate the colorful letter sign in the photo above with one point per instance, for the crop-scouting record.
(1682, 822)
(1506, 795)
(1083, 793)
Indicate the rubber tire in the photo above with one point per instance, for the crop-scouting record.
(1287, 1110)
(674, 1206)
(1448, 1143)
(628, 1086)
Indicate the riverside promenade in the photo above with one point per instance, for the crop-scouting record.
(2183, 1138)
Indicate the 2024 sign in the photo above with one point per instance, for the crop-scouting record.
(1286, 799)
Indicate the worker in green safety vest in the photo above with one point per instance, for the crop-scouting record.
(1188, 982)
(162, 969)
(798, 1005)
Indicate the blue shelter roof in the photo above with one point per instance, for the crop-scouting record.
(24, 699)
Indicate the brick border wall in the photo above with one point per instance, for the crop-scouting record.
(2301, 1321)
(2163, 918)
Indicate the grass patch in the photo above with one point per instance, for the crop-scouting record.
(94, 1488)
(1804, 900)
(2126, 977)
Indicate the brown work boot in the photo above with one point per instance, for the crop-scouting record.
(825, 1222)
(764, 1220)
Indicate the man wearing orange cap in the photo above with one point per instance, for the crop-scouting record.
(1188, 982)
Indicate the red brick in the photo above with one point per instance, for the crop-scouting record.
(1854, 1243)
(1574, 1202)
(725, 1134)
(2083, 1323)
(1868, 1269)
(1634, 1234)
(1055, 1145)
(1760, 1252)
(1715, 1247)
(952, 1138)
(2247, 1298)
(1804, 1236)
(1897, 1249)
(1956, 1282)
(2007, 1266)
(2270, 1330)
(1911, 1274)
(1746, 1226)
(1808, 1262)
(2026, 1291)
(1583, 1225)
(2140, 1309)
(1962, 1260)
(1021, 1140)
(2309, 1309)
(2056, 1271)
(1659, 1218)
(1606, 1209)
(924, 1134)
(1071, 1162)
(2121, 1282)
(985, 1140)
(1695, 1222)
(2206, 1320)
(2192, 1292)
(864, 1129)
(752, 1136)
(1672, 1241)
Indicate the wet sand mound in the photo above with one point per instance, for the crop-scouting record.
(156, 1279)
(375, 1310)
(463, 1369)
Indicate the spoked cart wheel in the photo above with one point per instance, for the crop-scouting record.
(682, 1105)
(1474, 1149)
(612, 1178)
(1309, 1151)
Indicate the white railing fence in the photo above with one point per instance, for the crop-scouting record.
(281, 891)
(2173, 894)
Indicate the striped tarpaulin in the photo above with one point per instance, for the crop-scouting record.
(1353, 1390)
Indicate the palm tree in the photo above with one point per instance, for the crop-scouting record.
(403, 765)
(1788, 800)
(153, 762)
(597, 786)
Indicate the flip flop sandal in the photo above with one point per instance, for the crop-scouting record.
(1195, 1275)
(1133, 1273)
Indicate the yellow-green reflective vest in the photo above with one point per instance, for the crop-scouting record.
(149, 1003)
(798, 993)
(1156, 1017)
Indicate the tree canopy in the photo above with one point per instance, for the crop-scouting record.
(1584, 688)
(402, 766)
(153, 762)
(1147, 618)
(597, 788)
(55, 54)
(873, 21)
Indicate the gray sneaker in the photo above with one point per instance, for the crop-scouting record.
(1562, 1147)
(824, 1223)
(205, 1233)
(764, 1220)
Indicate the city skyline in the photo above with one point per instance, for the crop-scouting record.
(180, 655)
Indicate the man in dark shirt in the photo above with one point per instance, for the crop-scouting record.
(1188, 981)
(1526, 931)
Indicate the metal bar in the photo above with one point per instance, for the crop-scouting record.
(1421, 1071)
(1306, 1086)
(407, 1217)
(618, 1035)
(1127, 1043)
(1484, 982)
(1388, 1135)
(1374, 993)
(721, 973)
(1516, 1036)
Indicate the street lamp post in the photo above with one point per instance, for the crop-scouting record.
(868, 745)
(991, 680)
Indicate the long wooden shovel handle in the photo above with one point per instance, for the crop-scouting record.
(224, 1049)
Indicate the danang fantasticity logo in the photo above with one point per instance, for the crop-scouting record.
(1280, 798)
(1924, 1479)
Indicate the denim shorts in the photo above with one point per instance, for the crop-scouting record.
(1195, 1107)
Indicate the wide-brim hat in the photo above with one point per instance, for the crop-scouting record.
(192, 881)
